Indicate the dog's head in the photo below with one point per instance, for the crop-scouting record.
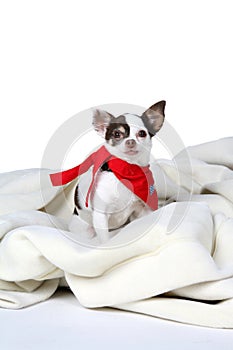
(128, 136)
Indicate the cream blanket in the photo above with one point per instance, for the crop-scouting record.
(176, 263)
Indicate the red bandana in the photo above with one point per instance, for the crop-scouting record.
(138, 179)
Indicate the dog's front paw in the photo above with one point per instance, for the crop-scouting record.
(90, 232)
(102, 235)
(100, 223)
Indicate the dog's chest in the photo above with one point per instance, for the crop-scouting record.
(109, 195)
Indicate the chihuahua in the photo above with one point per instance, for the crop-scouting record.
(113, 202)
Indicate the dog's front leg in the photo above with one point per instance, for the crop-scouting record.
(100, 224)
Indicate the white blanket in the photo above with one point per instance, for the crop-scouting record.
(176, 263)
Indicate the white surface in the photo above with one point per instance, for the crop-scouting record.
(58, 58)
(61, 323)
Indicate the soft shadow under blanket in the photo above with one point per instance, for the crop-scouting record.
(176, 263)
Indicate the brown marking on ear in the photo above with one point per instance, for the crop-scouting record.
(101, 119)
(153, 117)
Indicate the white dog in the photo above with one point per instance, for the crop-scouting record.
(120, 188)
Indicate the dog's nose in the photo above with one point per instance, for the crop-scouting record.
(130, 143)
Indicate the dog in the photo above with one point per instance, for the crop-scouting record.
(112, 203)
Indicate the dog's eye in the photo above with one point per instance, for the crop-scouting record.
(117, 134)
(142, 133)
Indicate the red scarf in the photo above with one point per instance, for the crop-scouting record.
(135, 178)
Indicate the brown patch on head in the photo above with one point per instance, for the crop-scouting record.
(117, 130)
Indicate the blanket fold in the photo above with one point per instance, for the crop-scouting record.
(176, 263)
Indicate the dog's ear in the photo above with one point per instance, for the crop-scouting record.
(153, 117)
(101, 119)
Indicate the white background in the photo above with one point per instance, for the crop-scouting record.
(61, 57)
